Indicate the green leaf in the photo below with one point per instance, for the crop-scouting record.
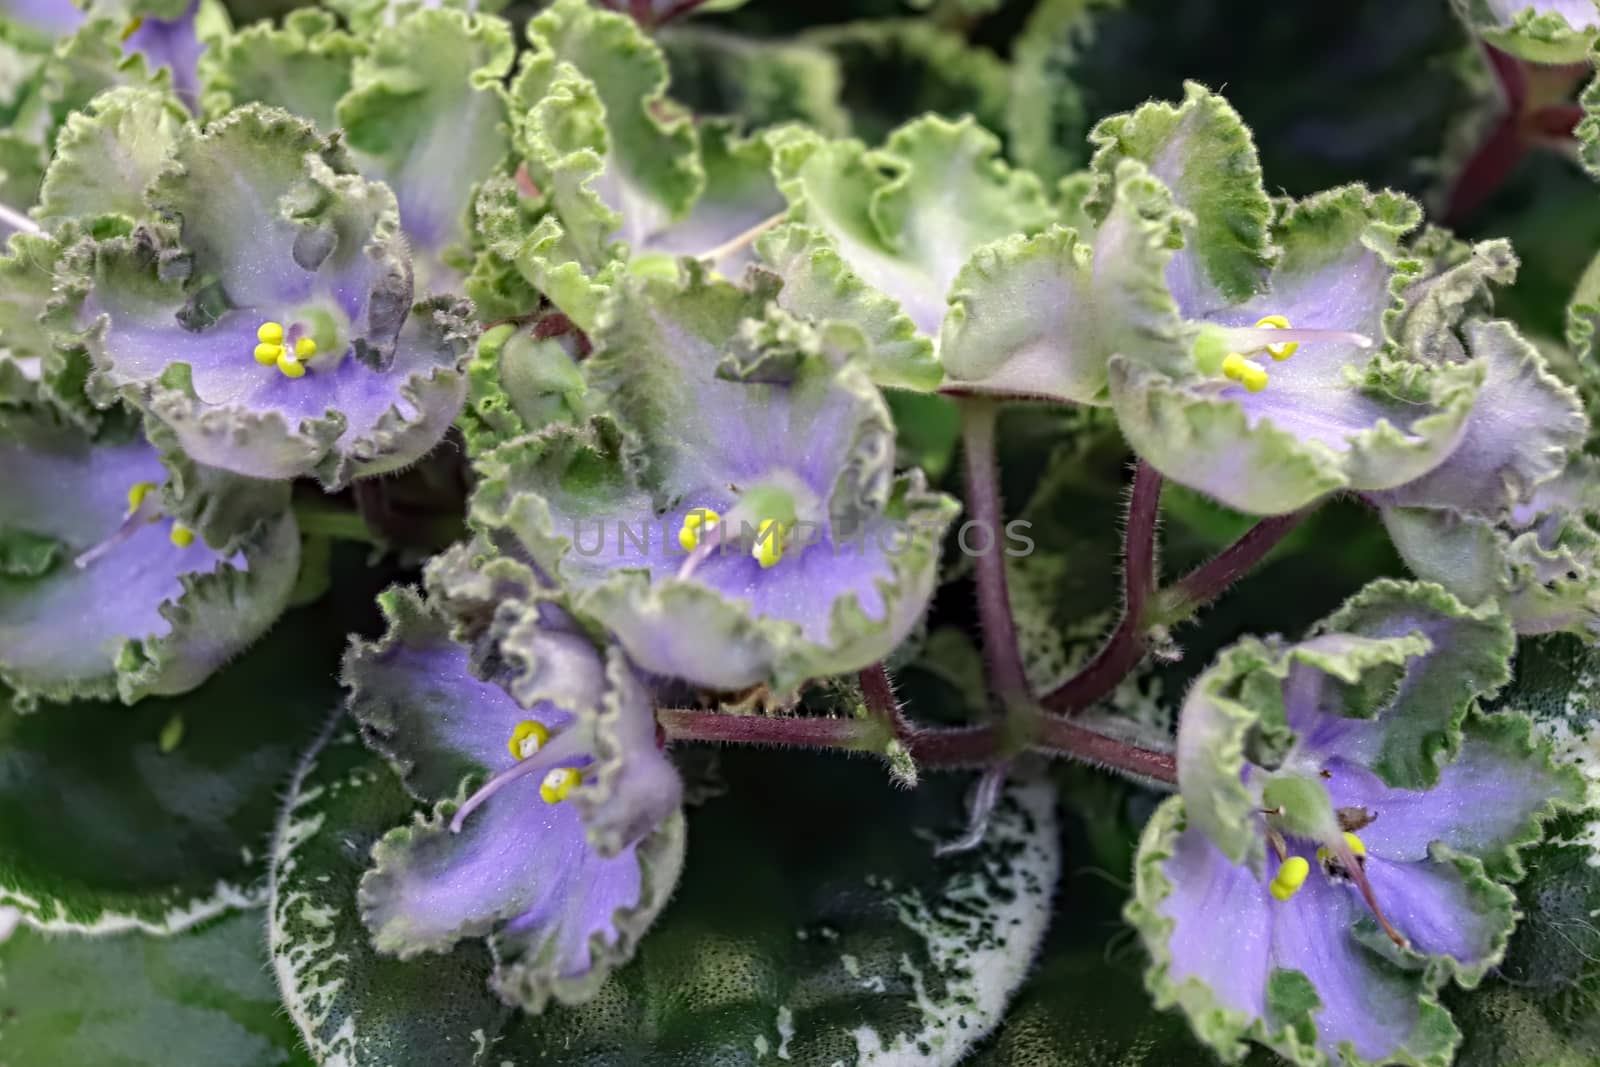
(1541, 1007)
(853, 945)
(140, 838)
(132, 1000)
(1047, 116)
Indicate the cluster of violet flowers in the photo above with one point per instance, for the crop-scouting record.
(226, 291)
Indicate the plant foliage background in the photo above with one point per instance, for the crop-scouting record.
(326, 331)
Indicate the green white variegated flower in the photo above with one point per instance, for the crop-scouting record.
(125, 569)
(418, 97)
(888, 237)
(614, 174)
(735, 518)
(270, 324)
(1347, 822)
(1318, 348)
(565, 855)
(1540, 31)
(1540, 563)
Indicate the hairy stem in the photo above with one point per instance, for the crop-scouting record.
(1125, 647)
(1000, 648)
(1212, 578)
(933, 747)
(878, 691)
(341, 524)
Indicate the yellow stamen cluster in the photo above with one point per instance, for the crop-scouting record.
(181, 535)
(1239, 368)
(768, 549)
(696, 525)
(528, 738)
(136, 494)
(559, 783)
(1285, 350)
(1358, 848)
(1290, 877)
(272, 351)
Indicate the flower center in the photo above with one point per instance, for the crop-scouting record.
(765, 517)
(291, 348)
(536, 750)
(1228, 350)
(143, 509)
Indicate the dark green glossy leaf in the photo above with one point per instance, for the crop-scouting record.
(102, 829)
(200, 999)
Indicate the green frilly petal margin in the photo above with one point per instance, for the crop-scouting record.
(1289, 995)
(1202, 151)
(304, 67)
(1532, 30)
(1176, 425)
(1485, 877)
(513, 514)
(1409, 654)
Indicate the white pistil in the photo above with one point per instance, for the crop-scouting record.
(137, 519)
(1250, 338)
(743, 240)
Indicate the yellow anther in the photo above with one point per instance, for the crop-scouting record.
(528, 738)
(268, 354)
(768, 549)
(1290, 877)
(1278, 322)
(305, 348)
(1357, 847)
(1237, 368)
(181, 535)
(696, 525)
(136, 494)
(559, 783)
(132, 27)
(270, 333)
(290, 366)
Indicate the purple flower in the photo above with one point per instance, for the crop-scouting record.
(141, 578)
(567, 852)
(735, 520)
(272, 327)
(1348, 818)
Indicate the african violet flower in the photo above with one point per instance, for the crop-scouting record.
(615, 175)
(565, 855)
(270, 324)
(1540, 562)
(144, 576)
(887, 237)
(419, 100)
(1347, 820)
(735, 520)
(1540, 31)
(1306, 347)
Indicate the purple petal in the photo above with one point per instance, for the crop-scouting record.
(1483, 801)
(1365, 1000)
(174, 44)
(1223, 932)
(71, 623)
(58, 17)
(419, 702)
(1433, 906)
(517, 860)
